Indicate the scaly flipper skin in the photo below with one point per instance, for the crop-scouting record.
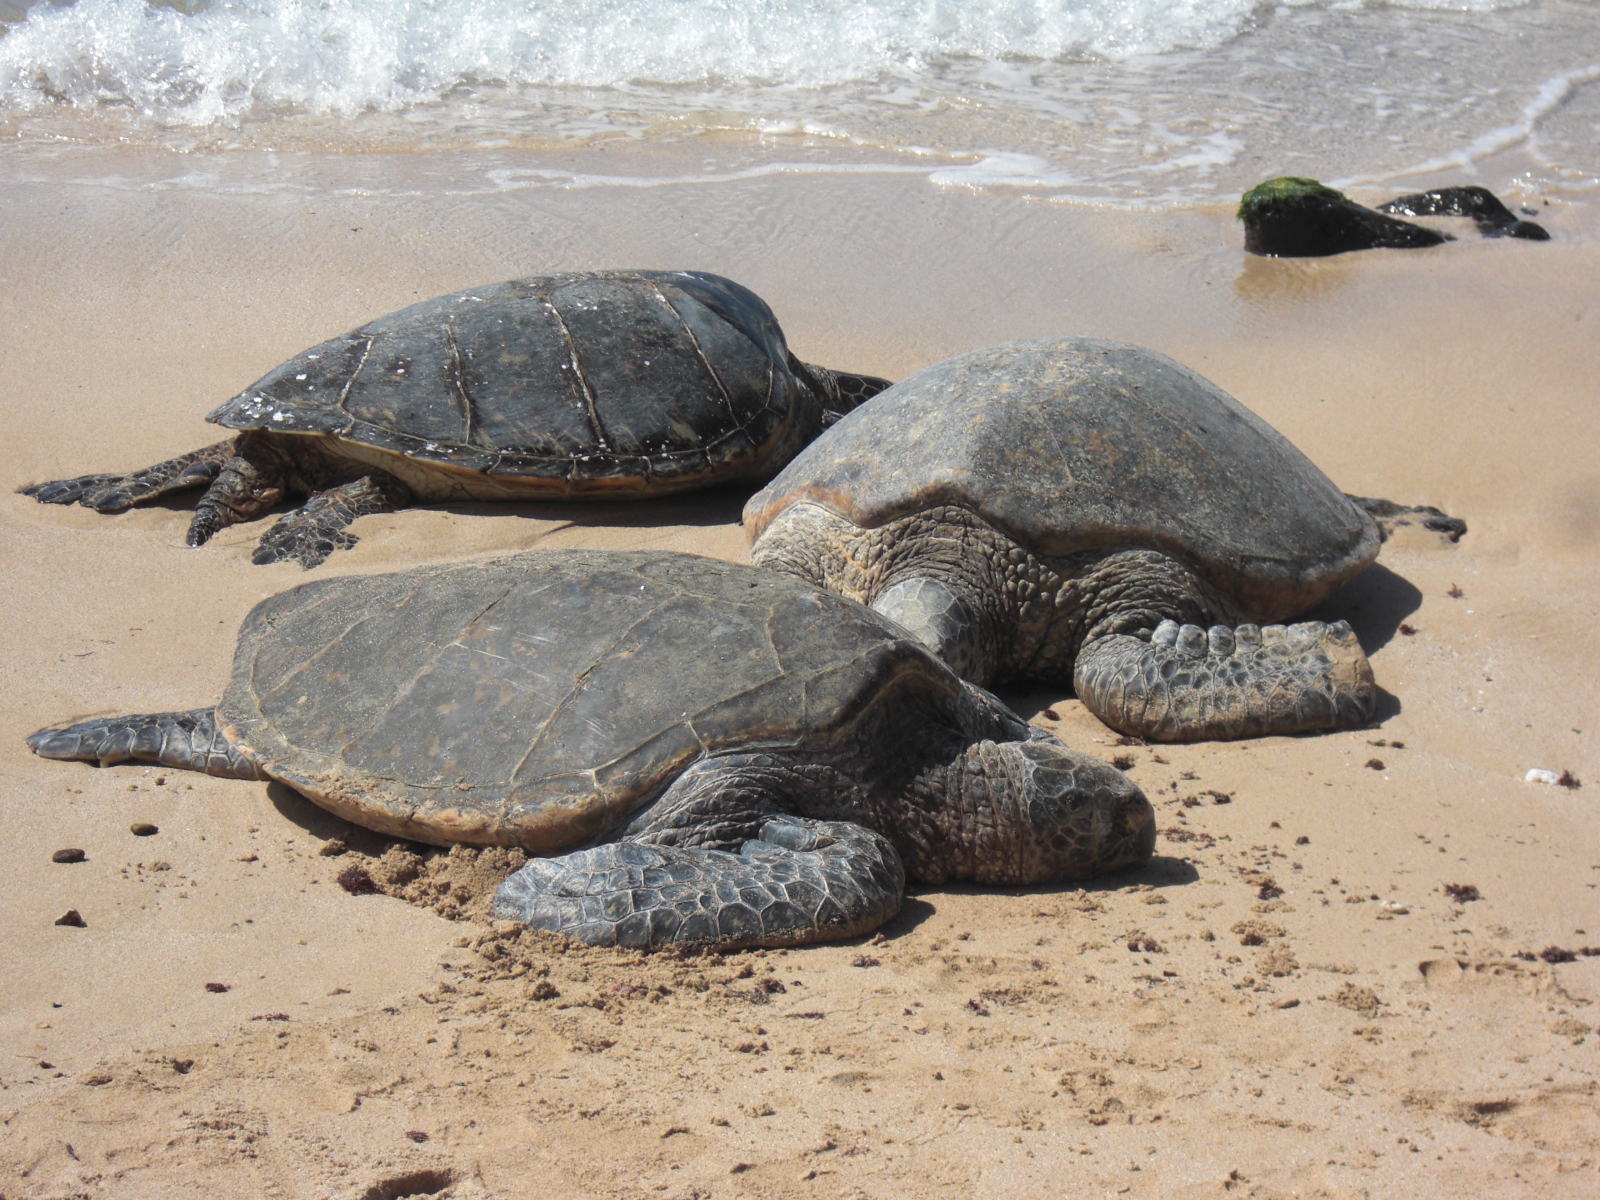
(717, 861)
(113, 493)
(798, 881)
(1189, 684)
(994, 610)
(186, 741)
(319, 527)
(264, 469)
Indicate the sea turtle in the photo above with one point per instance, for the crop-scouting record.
(595, 386)
(1083, 509)
(716, 755)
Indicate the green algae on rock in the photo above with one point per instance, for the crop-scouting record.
(1294, 217)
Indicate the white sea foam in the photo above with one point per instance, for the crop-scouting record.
(1146, 102)
(229, 59)
(1549, 96)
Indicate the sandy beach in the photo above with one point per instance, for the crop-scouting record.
(1284, 1002)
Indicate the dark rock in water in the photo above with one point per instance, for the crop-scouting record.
(1290, 217)
(143, 829)
(68, 856)
(1388, 514)
(1492, 218)
(73, 918)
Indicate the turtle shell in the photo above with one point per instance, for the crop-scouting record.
(670, 377)
(539, 700)
(1087, 444)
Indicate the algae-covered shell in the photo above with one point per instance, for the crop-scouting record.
(586, 381)
(540, 699)
(1088, 444)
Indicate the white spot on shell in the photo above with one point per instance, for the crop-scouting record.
(302, 375)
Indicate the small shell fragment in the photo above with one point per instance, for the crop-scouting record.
(1540, 775)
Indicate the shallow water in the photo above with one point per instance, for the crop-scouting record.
(1160, 103)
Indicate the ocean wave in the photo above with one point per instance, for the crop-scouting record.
(186, 64)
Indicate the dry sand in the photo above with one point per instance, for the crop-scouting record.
(1284, 1002)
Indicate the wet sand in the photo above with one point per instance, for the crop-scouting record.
(1181, 1030)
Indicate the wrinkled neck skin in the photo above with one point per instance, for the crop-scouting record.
(978, 823)
(959, 818)
(1031, 613)
(821, 384)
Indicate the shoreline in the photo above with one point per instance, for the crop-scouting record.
(1460, 377)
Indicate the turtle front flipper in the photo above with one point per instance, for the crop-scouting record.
(320, 526)
(798, 881)
(187, 741)
(113, 493)
(1189, 684)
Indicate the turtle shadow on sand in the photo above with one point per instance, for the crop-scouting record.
(1375, 603)
(705, 509)
(1158, 872)
(301, 813)
(713, 506)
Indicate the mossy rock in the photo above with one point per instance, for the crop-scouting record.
(1294, 217)
(1492, 218)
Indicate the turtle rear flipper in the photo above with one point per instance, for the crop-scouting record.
(800, 881)
(113, 493)
(188, 741)
(1189, 684)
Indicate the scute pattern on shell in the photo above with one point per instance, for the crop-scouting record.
(608, 374)
(539, 699)
(1087, 444)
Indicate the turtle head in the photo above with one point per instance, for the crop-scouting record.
(1060, 815)
(839, 392)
